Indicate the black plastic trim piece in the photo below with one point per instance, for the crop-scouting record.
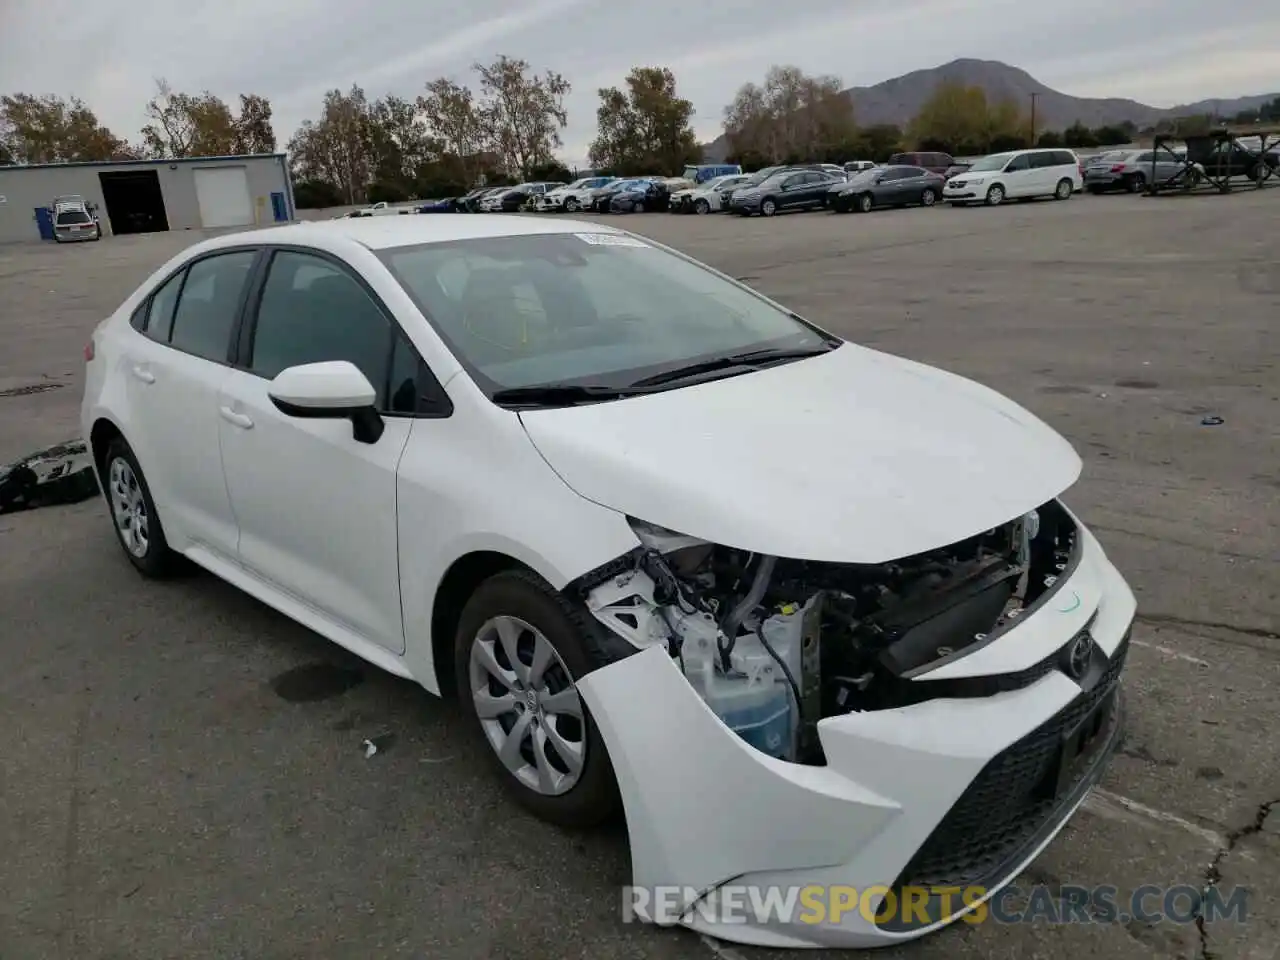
(1077, 551)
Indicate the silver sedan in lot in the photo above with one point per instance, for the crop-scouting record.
(1132, 170)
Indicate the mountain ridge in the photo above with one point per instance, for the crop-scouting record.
(898, 100)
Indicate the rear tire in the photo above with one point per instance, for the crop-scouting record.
(1064, 189)
(572, 783)
(133, 514)
(1135, 183)
(928, 198)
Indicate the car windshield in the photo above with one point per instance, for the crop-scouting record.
(994, 162)
(584, 308)
(760, 176)
(72, 216)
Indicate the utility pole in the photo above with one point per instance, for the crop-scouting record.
(1033, 118)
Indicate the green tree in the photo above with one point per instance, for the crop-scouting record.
(399, 145)
(254, 133)
(645, 129)
(1112, 136)
(1078, 135)
(1050, 138)
(48, 129)
(335, 148)
(454, 119)
(878, 142)
(961, 117)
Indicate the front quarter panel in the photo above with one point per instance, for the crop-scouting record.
(474, 482)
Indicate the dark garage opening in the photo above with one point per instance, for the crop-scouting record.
(134, 203)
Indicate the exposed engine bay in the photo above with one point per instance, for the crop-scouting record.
(774, 645)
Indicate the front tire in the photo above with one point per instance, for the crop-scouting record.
(768, 207)
(865, 203)
(571, 205)
(702, 206)
(995, 196)
(133, 514)
(519, 649)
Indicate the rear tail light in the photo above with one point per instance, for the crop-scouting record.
(88, 351)
(1116, 168)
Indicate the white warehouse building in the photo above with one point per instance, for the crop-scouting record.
(149, 196)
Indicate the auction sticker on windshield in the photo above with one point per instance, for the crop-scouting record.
(610, 240)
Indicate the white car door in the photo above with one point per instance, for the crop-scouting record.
(1019, 177)
(316, 507)
(173, 373)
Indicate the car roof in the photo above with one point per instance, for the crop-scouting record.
(378, 233)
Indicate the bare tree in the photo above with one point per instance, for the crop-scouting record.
(522, 112)
(791, 116)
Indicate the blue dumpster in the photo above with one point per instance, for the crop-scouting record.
(44, 220)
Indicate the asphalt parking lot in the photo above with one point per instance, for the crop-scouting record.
(169, 788)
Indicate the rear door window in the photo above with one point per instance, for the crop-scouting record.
(209, 304)
(159, 321)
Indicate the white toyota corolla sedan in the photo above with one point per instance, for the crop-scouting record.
(808, 613)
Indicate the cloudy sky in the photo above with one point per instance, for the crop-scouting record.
(108, 52)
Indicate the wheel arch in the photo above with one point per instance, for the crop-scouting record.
(453, 591)
(101, 435)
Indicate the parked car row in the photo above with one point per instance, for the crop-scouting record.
(918, 178)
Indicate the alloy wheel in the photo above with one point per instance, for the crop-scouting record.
(528, 706)
(129, 508)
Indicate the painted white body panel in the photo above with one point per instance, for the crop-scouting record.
(877, 458)
(882, 458)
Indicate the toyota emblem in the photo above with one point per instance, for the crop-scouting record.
(1079, 653)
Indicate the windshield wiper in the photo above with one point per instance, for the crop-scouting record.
(751, 359)
(559, 394)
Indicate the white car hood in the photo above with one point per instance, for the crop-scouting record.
(854, 456)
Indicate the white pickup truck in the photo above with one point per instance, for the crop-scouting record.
(381, 209)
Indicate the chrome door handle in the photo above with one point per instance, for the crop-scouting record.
(238, 419)
(145, 375)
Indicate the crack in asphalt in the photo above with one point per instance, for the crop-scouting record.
(1171, 620)
(1213, 872)
(1181, 543)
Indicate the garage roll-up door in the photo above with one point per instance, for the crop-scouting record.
(223, 193)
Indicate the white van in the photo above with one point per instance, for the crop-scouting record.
(1016, 175)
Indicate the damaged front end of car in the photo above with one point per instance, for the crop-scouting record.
(924, 723)
(775, 645)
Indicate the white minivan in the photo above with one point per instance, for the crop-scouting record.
(1016, 175)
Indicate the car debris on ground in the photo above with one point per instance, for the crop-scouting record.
(59, 474)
